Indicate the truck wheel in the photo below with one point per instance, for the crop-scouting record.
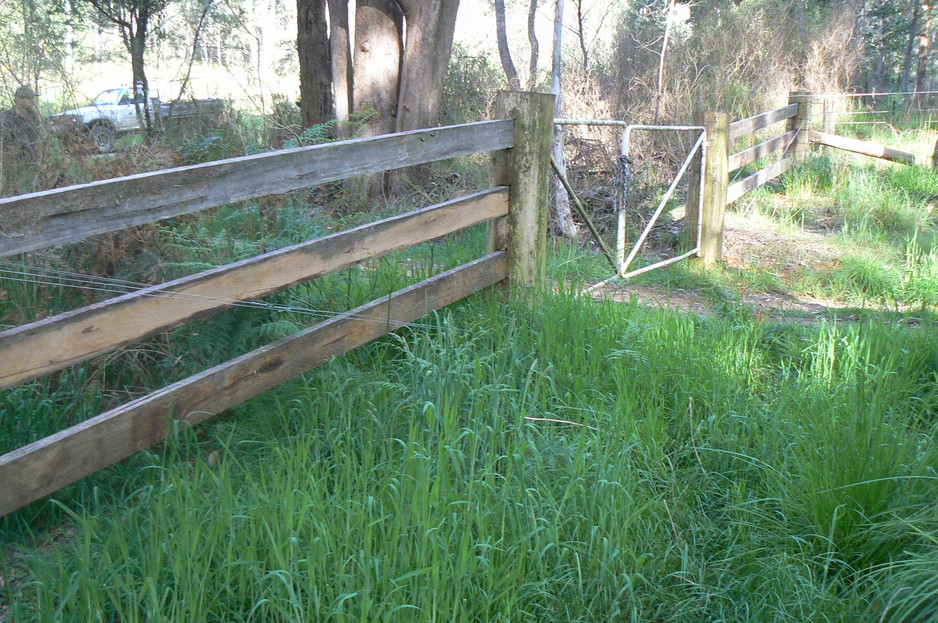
(103, 138)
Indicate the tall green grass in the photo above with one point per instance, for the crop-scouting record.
(680, 469)
(505, 461)
(877, 221)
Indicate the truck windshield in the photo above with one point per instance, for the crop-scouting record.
(108, 98)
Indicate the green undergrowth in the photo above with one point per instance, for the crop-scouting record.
(868, 238)
(179, 248)
(500, 461)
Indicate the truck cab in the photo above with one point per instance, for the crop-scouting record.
(111, 113)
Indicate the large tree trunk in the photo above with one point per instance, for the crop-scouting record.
(504, 53)
(312, 43)
(379, 31)
(430, 27)
(342, 77)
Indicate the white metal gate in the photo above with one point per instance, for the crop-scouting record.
(623, 261)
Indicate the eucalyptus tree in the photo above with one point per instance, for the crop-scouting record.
(34, 41)
(504, 52)
(402, 50)
(312, 44)
(133, 19)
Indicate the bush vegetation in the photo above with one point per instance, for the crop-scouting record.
(572, 459)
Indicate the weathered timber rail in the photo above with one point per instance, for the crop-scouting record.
(515, 208)
(792, 146)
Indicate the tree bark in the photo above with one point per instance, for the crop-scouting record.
(312, 43)
(909, 47)
(535, 47)
(581, 35)
(379, 31)
(659, 94)
(562, 214)
(430, 27)
(342, 77)
(141, 87)
(924, 50)
(504, 54)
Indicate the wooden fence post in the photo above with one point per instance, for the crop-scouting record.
(714, 183)
(801, 123)
(525, 169)
(832, 107)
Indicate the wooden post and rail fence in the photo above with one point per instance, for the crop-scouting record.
(515, 208)
(792, 145)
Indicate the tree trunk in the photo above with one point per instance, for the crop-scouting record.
(535, 47)
(312, 44)
(662, 61)
(141, 88)
(342, 77)
(910, 45)
(562, 214)
(924, 50)
(504, 54)
(581, 36)
(379, 31)
(430, 26)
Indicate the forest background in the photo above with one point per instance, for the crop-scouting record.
(625, 59)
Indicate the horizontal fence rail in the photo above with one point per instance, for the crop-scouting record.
(521, 144)
(42, 347)
(864, 148)
(747, 126)
(49, 464)
(741, 188)
(48, 218)
(765, 148)
(779, 144)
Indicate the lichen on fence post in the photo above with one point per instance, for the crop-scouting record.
(525, 169)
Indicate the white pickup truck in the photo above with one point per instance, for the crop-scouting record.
(114, 112)
(111, 113)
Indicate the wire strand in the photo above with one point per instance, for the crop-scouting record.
(96, 284)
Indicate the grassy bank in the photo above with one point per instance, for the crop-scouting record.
(711, 469)
(569, 460)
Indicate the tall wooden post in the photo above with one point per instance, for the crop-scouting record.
(525, 169)
(801, 123)
(714, 180)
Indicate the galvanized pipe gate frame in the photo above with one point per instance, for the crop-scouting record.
(623, 262)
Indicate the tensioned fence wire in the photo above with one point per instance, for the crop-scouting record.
(883, 106)
(60, 278)
(93, 283)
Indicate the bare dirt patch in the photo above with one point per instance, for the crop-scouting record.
(755, 242)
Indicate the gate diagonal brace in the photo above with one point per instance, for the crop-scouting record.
(582, 212)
